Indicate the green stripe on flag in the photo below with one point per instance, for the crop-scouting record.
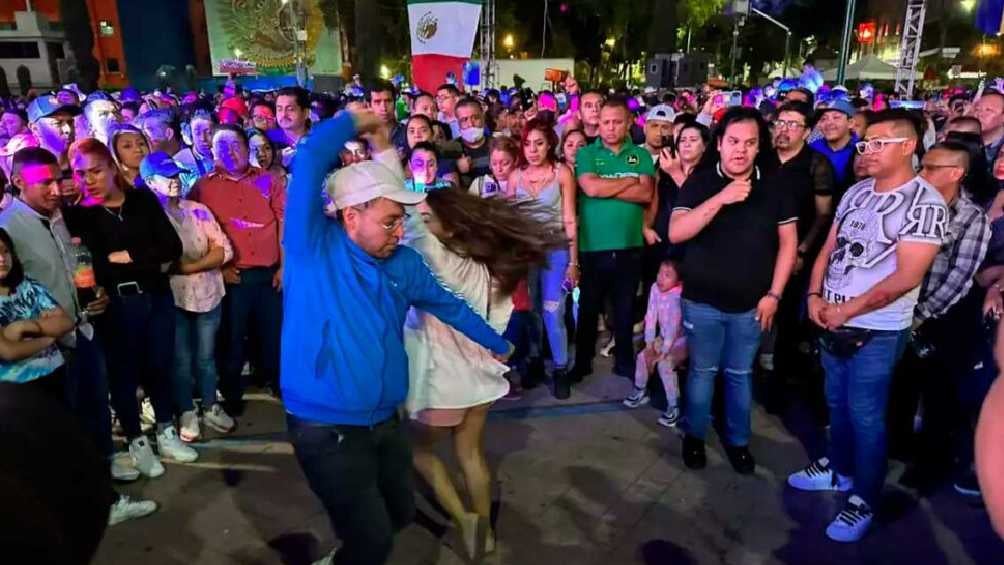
(479, 2)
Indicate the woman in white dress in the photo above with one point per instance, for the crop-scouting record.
(481, 249)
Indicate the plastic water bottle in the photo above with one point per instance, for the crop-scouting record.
(83, 275)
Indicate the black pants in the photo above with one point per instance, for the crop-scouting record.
(615, 274)
(363, 477)
(52, 386)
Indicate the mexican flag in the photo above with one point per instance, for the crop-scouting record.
(442, 36)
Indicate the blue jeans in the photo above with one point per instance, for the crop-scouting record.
(857, 390)
(138, 335)
(87, 390)
(548, 296)
(720, 341)
(251, 306)
(195, 355)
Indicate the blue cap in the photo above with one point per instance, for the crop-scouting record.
(129, 93)
(97, 95)
(838, 105)
(47, 105)
(159, 163)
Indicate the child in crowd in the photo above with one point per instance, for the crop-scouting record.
(665, 352)
(503, 153)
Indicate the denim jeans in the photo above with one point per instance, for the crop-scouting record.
(857, 390)
(87, 390)
(251, 306)
(138, 335)
(726, 342)
(363, 477)
(545, 284)
(606, 274)
(195, 355)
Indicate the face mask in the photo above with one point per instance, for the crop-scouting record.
(472, 135)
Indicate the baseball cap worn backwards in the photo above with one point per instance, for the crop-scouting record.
(369, 180)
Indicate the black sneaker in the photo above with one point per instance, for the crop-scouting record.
(579, 372)
(536, 373)
(562, 387)
(968, 485)
(741, 459)
(693, 453)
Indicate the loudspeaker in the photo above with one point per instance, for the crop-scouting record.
(660, 71)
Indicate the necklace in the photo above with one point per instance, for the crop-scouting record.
(116, 214)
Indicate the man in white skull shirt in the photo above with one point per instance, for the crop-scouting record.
(863, 292)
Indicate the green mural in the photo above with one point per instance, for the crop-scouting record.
(263, 32)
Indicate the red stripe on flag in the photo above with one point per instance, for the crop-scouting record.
(429, 71)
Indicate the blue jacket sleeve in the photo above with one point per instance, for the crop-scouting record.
(428, 293)
(316, 156)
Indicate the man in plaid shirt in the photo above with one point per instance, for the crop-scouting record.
(946, 325)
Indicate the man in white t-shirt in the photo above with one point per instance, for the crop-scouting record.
(864, 288)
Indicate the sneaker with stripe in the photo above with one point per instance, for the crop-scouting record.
(818, 476)
(852, 523)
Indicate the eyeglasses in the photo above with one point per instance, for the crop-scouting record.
(392, 226)
(935, 166)
(877, 145)
(787, 124)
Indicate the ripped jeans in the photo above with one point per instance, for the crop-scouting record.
(545, 285)
(720, 341)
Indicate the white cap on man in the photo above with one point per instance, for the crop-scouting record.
(368, 180)
(660, 113)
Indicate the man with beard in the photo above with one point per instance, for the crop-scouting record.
(51, 122)
(810, 179)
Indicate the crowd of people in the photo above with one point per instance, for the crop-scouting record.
(393, 270)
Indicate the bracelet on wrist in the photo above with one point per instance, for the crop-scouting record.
(774, 296)
(811, 294)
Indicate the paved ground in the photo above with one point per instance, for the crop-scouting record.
(581, 482)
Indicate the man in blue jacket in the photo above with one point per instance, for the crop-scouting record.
(344, 371)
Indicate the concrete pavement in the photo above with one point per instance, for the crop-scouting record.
(586, 481)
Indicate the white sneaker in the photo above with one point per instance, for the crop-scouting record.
(189, 426)
(217, 419)
(670, 417)
(147, 416)
(121, 470)
(326, 560)
(143, 458)
(852, 523)
(170, 447)
(637, 397)
(126, 508)
(818, 476)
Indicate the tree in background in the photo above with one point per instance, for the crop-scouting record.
(76, 20)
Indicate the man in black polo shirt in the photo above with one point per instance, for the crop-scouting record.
(741, 248)
(810, 181)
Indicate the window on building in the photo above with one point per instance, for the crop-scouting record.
(112, 64)
(56, 50)
(105, 28)
(19, 50)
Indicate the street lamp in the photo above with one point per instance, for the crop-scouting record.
(967, 5)
(508, 42)
(610, 42)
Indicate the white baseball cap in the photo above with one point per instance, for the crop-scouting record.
(660, 113)
(368, 180)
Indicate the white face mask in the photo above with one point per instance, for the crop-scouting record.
(472, 135)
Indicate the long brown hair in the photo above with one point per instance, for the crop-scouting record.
(547, 130)
(504, 236)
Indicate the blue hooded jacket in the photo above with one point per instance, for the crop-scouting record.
(343, 358)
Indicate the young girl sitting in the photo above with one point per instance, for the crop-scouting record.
(666, 351)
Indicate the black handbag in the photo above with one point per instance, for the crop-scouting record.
(845, 342)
